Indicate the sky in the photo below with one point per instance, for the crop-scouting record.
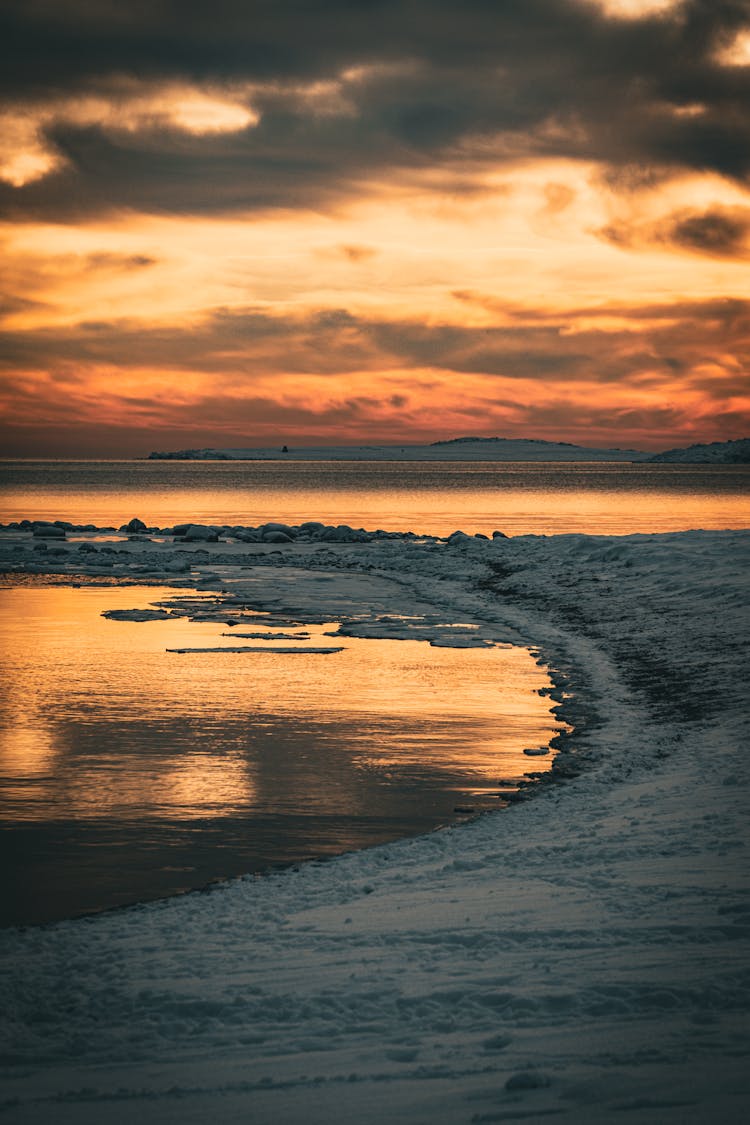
(305, 222)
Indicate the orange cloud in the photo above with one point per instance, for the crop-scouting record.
(429, 305)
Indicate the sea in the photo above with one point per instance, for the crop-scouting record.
(128, 774)
(431, 498)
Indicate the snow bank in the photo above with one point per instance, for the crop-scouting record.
(582, 954)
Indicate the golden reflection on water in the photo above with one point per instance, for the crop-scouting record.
(99, 721)
(511, 510)
(28, 748)
(429, 498)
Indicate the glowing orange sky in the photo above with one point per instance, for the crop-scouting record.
(184, 267)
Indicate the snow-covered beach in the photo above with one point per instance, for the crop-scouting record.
(582, 954)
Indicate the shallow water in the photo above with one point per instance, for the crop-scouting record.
(128, 773)
(430, 498)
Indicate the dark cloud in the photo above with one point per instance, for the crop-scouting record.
(64, 430)
(438, 82)
(10, 305)
(251, 343)
(727, 313)
(118, 263)
(562, 415)
(719, 231)
(716, 231)
(655, 345)
(357, 253)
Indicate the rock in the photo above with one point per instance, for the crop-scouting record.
(499, 535)
(457, 538)
(497, 1042)
(269, 528)
(134, 526)
(564, 772)
(312, 526)
(276, 537)
(48, 531)
(343, 534)
(537, 752)
(527, 1080)
(198, 533)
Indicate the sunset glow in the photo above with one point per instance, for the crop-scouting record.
(360, 233)
(56, 663)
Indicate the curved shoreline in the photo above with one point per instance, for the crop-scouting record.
(584, 957)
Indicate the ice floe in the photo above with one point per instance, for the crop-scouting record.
(321, 650)
(136, 614)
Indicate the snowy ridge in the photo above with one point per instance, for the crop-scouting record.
(583, 954)
(473, 449)
(715, 452)
(455, 449)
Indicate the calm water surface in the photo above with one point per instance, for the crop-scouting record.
(428, 497)
(128, 773)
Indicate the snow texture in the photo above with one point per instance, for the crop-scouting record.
(581, 955)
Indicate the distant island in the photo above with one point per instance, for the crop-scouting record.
(716, 452)
(471, 449)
